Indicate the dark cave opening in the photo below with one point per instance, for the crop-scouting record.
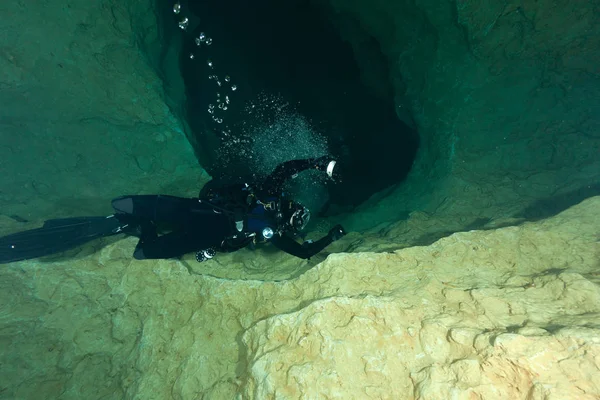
(287, 61)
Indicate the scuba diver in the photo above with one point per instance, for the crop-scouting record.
(225, 217)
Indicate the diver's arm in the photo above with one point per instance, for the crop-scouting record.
(305, 250)
(289, 169)
(309, 248)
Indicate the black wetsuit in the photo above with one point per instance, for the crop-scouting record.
(225, 217)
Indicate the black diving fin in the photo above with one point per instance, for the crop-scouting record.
(57, 235)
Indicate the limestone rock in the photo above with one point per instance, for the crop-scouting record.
(83, 114)
(503, 97)
(451, 326)
(506, 313)
(401, 348)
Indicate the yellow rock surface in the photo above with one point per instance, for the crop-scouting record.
(507, 313)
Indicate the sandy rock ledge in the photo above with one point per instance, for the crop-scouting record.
(471, 317)
(510, 313)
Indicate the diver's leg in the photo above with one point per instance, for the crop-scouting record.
(170, 245)
(173, 244)
(158, 208)
(202, 232)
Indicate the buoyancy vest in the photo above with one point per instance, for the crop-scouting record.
(254, 220)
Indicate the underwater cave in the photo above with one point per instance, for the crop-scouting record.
(468, 134)
(294, 90)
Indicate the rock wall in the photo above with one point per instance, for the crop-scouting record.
(504, 95)
(507, 313)
(83, 115)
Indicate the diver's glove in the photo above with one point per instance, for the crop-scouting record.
(336, 233)
(326, 164)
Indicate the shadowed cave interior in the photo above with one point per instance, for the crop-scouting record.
(288, 60)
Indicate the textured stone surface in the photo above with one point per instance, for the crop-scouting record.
(82, 114)
(501, 314)
(387, 347)
(503, 95)
(505, 313)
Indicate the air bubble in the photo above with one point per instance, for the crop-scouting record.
(233, 87)
(183, 24)
(176, 8)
